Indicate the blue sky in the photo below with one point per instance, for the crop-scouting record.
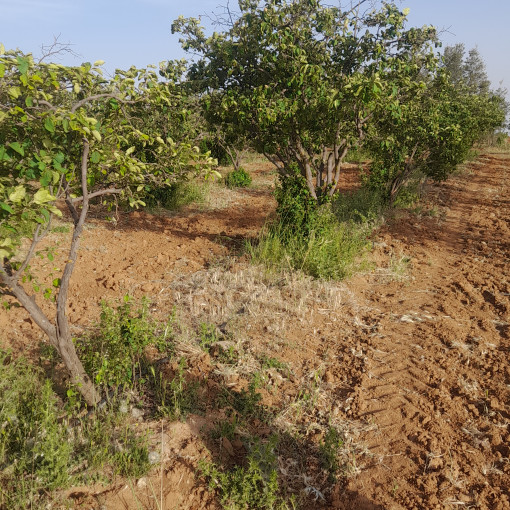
(137, 32)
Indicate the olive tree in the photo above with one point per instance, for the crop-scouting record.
(301, 79)
(69, 136)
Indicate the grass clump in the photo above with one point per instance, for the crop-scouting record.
(254, 486)
(329, 449)
(309, 237)
(238, 178)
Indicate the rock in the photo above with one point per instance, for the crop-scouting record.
(154, 457)
(136, 413)
(228, 446)
(123, 407)
(142, 483)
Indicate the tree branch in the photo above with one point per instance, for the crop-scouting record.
(109, 191)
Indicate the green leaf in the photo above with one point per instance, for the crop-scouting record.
(98, 62)
(18, 195)
(96, 135)
(130, 150)
(2, 49)
(14, 92)
(2, 70)
(17, 147)
(6, 207)
(43, 196)
(23, 65)
(56, 282)
(76, 88)
(48, 124)
(96, 157)
(55, 210)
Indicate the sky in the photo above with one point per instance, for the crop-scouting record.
(137, 32)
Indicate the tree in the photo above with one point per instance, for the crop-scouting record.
(302, 80)
(69, 136)
(430, 133)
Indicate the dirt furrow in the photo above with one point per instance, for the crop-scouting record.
(436, 376)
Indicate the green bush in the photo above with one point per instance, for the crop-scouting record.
(239, 178)
(113, 355)
(177, 195)
(254, 487)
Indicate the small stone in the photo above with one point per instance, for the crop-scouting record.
(123, 407)
(154, 457)
(136, 413)
(142, 483)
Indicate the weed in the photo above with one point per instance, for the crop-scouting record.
(246, 403)
(177, 195)
(175, 398)
(61, 229)
(329, 250)
(239, 178)
(208, 335)
(225, 428)
(252, 487)
(329, 448)
(113, 355)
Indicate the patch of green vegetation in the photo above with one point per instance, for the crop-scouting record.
(43, 448)
(61, 229)
(244, 402)
(239, 178)
(114, 354)
(177, 195)
(175, 398)
(329, 448)
(254, 486)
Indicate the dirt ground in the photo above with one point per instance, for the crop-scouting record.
(409, 358)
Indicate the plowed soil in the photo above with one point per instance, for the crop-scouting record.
(412, 355)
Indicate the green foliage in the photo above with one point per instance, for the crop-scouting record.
(329, 449)
(252, 487)
(359, 206)
(208, 335)
(300, 80)
(41, 452)
(326, 249)
(238, 178)
(35, 452)
(177, 195)
(246, 403)
(114, 353)
(177, 397)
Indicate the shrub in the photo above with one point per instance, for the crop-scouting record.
(239, 178)
(177, 195)
(113, 355)
(35, 452)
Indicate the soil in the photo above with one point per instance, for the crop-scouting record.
(410, 358)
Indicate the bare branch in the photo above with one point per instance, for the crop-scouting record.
(86, 100)
(56, 48)
(109, 191)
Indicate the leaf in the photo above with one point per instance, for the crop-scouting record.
(46, 214)
(130, 150)
(96, 157)
(23, 65)
(98, 62)
(2, 49)
(96, 135)
(55, 210)
(2, 70)
(48, 124)
(18, 195)
(17, 147)
(43, 196)
(15, 92)
(6, 207)
(56, 282)
(406, 11)
(76, 88)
